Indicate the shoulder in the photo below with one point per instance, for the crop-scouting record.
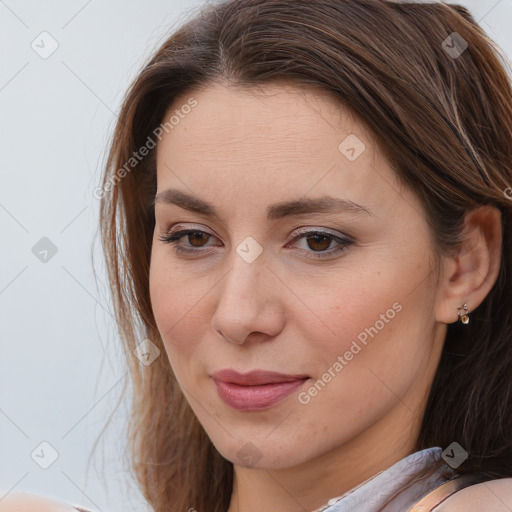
(491, 496)
(22, 502)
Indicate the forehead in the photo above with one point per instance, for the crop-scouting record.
(274, 139)
(280, 116)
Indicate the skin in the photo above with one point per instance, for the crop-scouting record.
(243, 150)
(492, 496)
(23, 502)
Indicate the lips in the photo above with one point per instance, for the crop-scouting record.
(255, 390)
(254, 378)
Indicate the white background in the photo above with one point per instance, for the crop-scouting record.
(61, 369)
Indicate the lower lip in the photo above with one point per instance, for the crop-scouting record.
(255, 398)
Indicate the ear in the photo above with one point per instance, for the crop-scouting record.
(469, 275)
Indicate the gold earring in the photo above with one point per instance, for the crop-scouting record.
(463, 314)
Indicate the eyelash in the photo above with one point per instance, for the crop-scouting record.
(173, 238)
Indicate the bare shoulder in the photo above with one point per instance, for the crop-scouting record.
(23, 502)
(491, 496)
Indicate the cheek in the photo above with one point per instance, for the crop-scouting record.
(177, 300)
(370, 319)
(344, 308)
(368, 342)
(360, 332)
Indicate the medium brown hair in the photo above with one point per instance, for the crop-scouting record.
(443, 121)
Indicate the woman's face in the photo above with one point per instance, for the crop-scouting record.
(306, 259)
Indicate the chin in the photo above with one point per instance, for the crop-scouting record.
(265, 453)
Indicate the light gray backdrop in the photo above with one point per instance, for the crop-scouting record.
(65, 66)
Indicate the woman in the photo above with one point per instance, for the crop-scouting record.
(306, 216)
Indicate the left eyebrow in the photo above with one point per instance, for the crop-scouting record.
(324, 204)
(303, 206)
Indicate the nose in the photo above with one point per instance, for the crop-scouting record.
(249, 306)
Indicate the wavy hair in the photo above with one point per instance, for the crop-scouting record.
(441, 114)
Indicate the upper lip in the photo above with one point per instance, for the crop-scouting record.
(255, 377)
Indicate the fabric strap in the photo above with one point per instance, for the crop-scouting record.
(444, 491)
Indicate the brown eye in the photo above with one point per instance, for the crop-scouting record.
(194, 238)
(319, 242)
(198, 236)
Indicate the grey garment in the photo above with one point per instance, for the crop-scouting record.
(381, 493)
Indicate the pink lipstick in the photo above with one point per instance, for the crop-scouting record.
(255, 390)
